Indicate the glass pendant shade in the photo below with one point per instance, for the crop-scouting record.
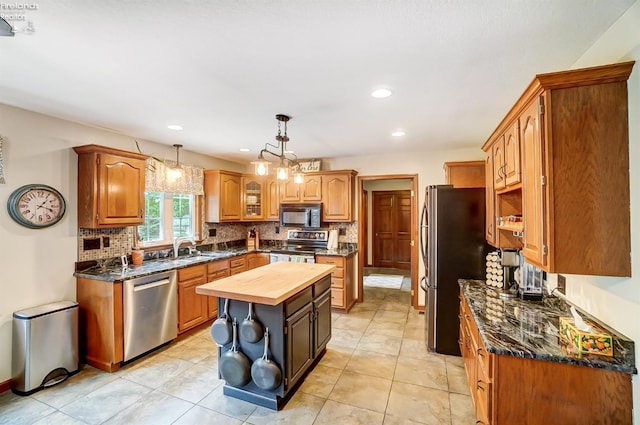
(261, 167)
(282, 172)
(298, 177)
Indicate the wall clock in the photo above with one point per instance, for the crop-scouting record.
(36, 206)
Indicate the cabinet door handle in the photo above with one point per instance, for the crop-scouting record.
(480, 352)
(479, 385)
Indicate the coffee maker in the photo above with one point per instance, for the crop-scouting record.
(510, 262)
(532, 279)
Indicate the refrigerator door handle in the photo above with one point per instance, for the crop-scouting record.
(423, 283)
(423, 226)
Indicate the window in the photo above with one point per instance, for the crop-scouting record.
(168, 216)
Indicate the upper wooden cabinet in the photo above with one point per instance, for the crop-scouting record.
(573, 129)
(490, 229)
(272, 212)
(222, 196)
(110, 187)
(506, 158)
(310, 190)
(338, 190)
(463, 174)
(253, 198)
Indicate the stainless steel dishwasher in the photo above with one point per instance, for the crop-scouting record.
(150, 312)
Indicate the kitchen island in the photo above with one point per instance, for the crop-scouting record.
(292, 300)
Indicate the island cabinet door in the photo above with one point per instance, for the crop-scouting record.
(322, 325)
(299, 336)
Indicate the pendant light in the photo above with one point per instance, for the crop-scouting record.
(175, 172)
(285, 163)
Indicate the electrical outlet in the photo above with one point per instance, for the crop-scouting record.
(91, 243)
(342, 231)
(562, 284)
(277, 230)
(105, 242)
(212, 233)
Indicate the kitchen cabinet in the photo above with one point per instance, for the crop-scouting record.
(299, 332)
(338, 193)
(223, 201)
(272, 212)
(253, 198)
(310, 190)
(490, 199)
(238, 264)
(342, 281)
(322, 320)
(463, 174)
(509, 390)
(101, 340)
(215, 270)
(192, 308)
(110, 187)
(257, 259)
(506, 158)
(574, 137)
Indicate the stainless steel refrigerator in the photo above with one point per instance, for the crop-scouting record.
(453, 246)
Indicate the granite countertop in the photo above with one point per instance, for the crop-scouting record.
(529, 329)
(270, 284)
(112, 274)
(340, 252)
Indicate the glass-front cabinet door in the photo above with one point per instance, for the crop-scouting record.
(253, 198)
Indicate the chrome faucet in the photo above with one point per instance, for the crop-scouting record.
(177, 241)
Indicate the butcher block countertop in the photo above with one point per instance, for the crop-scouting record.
(271, 284)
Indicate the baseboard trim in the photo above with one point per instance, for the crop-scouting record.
(5, 386)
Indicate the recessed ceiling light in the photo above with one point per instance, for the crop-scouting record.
(381, 93)
(398, 133)
(245, 150)
(175, 127)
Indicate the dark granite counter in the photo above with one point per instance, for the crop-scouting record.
(340, 252)
(111, 274)
(529, 329)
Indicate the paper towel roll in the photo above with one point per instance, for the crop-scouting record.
(332, 242)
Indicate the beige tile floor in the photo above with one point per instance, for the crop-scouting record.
(376, 370)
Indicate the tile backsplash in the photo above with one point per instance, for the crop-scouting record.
(120, 239)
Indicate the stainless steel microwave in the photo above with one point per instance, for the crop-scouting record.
(306, 216)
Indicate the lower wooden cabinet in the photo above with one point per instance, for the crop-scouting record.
(238, 264)
(215, 270)
(257, 259)
(509, 390)
(192, 307)
(342, 278)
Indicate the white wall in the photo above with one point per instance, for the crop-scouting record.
(36, 266)
(616, 301)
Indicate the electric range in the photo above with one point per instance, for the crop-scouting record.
(301, 246)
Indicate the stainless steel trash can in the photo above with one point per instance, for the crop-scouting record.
(45, 346)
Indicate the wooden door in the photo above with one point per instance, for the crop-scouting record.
(498, 164)
(392, 229)
(273, 200)
(289, 191)
(490, 229)
(121, 190)
(512, 155)
(230, 197)
(533, 202)
(337, 198)
(253, 198)
(311, 190)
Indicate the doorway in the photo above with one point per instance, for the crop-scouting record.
(387, 205)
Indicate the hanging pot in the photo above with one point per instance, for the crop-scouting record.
(235, 367)
(265, 373)
(250, 329)
(221, 328)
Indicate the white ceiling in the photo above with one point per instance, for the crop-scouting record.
(223, 69)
